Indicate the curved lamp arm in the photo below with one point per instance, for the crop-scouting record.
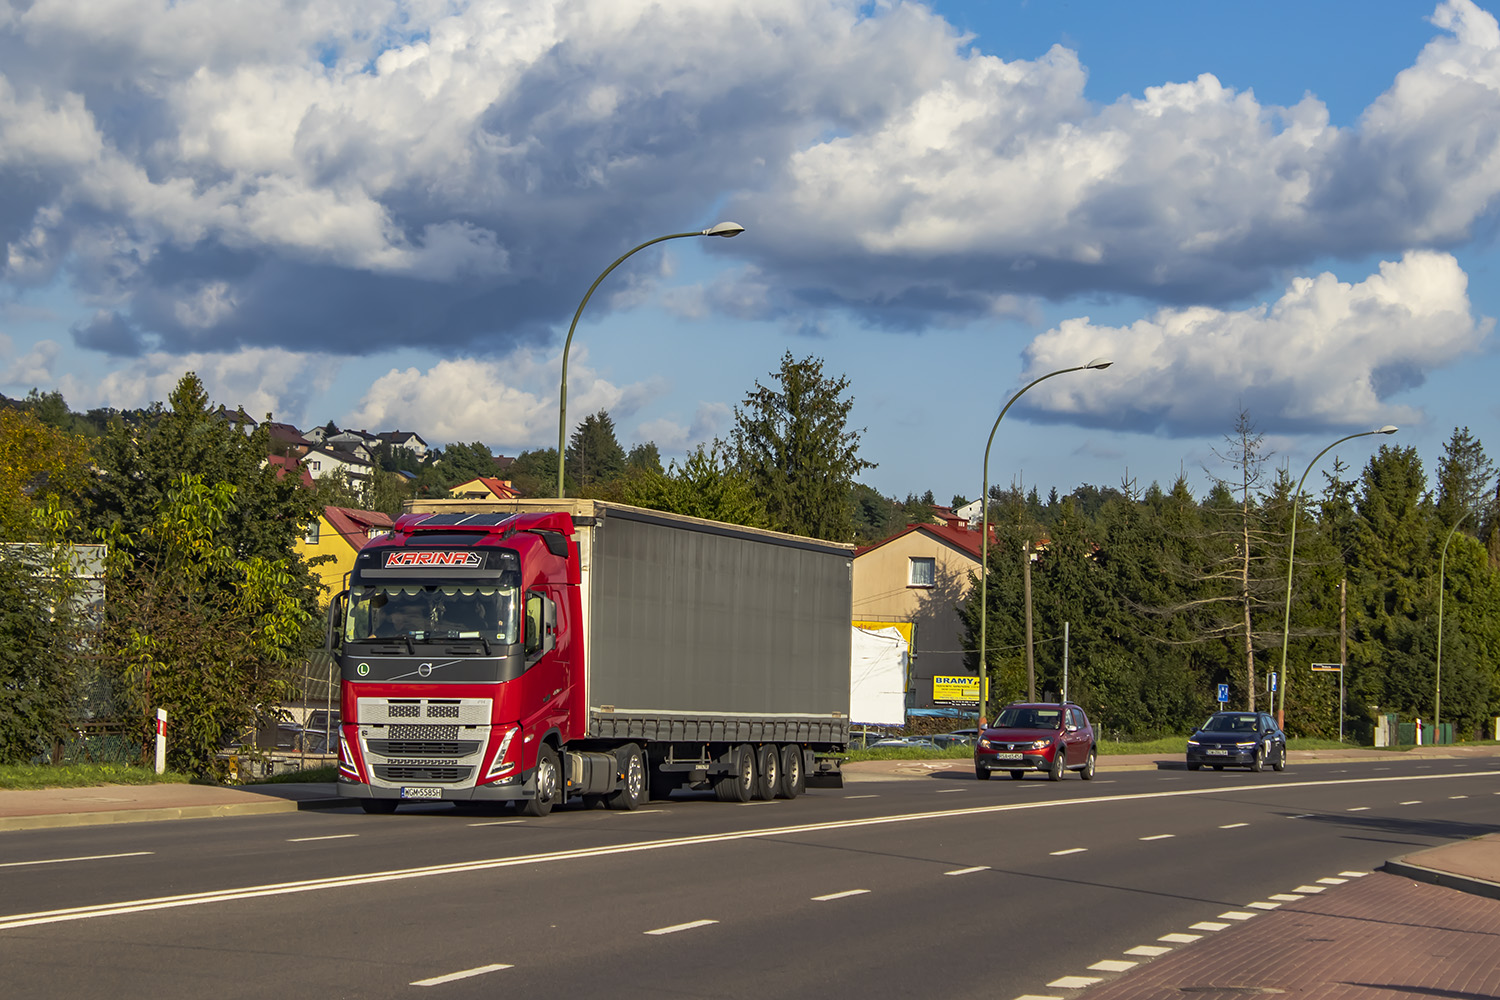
(724, 229)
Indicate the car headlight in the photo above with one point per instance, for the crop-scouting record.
(986, 744)
(1194, 743)
(1040, 744)
(1245, 743)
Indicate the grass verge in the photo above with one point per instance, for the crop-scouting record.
(80, 775)
(328, 772)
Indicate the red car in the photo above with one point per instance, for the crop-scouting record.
(1037, 736)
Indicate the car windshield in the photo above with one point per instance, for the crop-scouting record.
(391, 611)
(1022, 717)
(1230, 724)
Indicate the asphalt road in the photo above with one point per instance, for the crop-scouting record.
(904, 888)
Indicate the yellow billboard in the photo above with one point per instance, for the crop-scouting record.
(960, 690)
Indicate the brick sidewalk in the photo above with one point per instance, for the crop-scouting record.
(1375, 938)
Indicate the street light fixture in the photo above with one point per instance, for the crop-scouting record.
(724, 229)
(1286, 622)
(984, 505)
(1437, 691)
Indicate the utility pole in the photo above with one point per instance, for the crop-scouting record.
(1030, 661)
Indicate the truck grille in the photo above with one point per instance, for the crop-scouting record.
(423, 748)
(430, 773)
(423, 732)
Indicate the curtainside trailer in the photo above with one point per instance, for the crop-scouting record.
(536, 650)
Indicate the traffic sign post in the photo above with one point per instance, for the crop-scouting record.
(1340, 668)
(1223, 694)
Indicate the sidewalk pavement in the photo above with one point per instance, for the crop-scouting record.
(1424, 925)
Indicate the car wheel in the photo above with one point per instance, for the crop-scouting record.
(548, 783)
(1059, 764)
(1258, 763)
(1087, 774)
(1280, 764)
(793, 781)
(981, 773)
(1017, 775)
(1218, 767)
(381, 807)
(1194, 767)
(739, 783)
(632, 793)
(767, 772)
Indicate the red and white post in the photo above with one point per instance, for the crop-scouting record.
(161, 741)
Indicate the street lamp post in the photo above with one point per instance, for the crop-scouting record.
(984, 505)
(1286, 623)
(1437, 691)
(724, 229)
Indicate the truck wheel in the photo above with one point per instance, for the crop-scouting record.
(548, 783)
(632, 791)
(739, 783)
(793, 781)
(767, 772)
(382, 807)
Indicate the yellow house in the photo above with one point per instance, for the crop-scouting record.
(486, 488)
(920, 575)
(339, 532)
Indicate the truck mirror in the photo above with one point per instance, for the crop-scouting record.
(333, 636)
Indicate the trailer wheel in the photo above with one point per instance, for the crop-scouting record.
(793, 780)
(739, 784)
(632, 792)
(767, 772)
(548, 783)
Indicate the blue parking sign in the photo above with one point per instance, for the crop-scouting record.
(1223, 693)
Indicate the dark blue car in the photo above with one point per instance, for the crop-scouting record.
(1237, 739)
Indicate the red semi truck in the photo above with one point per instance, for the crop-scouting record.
(535, 650)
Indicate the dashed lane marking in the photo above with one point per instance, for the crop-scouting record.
(1309, 890)
(1357, 809)
(690, 925)
(1458, 796)
(330, 836)
(1075, 982)
(1267, 906)
(499, 822)
(86, 857)
(1113, 965)
(1233, 826)
(1208, 925)
(1160, 836)
(466, 974)
(1148, 950)
(1286, 897)
(1236, 915)
(1354, 874)
(945, 791)
(861, 796)
(1411, 802)
(1182, 938)
(968, 871)
(840, 895)
(1332, 881)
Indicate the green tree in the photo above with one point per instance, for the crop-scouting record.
(38, 464)
(534, 474)
(644, 457)
(39, 636)
(594, 455)
(706, 485)
(793, 443)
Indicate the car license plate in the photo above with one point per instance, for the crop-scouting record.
(421, 792)
(1223, 752)
(1008, 756)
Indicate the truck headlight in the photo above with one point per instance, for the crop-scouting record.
(499, 765)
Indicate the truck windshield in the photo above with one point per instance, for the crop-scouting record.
(391, 611)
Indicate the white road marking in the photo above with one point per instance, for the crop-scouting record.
(969, 871)
(16, 920)
(1071, 850)
(1236, 915)
(1354, 874)
(1333, 881)
(1411, 802)
(1308, 890)
(647, 812)
(1458, 796)
(453, 976)
(1160, 836)
(1300, 816)
(86, 857)
(944, 791)
(1266, 906)
(1183, 938)
(1233, 826)
(861, 796)
(1208, 925)
(1075, 982)
(499, 822)
(690, 925)
(1286, 897)
(840, 895)
(331, 836)
(1357, 809)
(1113, 965)
(1036, 996)
(757, 803)
(1147, 950)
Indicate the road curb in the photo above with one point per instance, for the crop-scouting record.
(1447, 880)
(106, 817)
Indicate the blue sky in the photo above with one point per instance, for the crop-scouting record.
(385, 214)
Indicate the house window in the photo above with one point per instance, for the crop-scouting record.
(311, 537)
(923, 574)
(316, 465)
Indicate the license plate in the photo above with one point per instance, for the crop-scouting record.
(1223, 752)
(1008, 756)
(421, 792)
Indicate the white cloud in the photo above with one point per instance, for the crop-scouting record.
(493, 400)
(34, 369)
(709, 421)
(1327, 354)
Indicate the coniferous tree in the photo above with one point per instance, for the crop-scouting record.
(594, 455)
